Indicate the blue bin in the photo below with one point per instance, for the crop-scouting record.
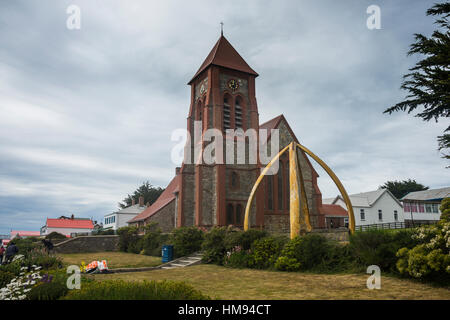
(167, 253)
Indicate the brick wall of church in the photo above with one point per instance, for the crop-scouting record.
(208, 195)
(277, 223)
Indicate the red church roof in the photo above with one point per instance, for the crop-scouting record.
(224, 55)
(164, 199)
(70, 223)
(334, 210)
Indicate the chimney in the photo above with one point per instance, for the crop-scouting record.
(148, 204)
(177, 171)
(141, 201)
(71, 217)
(133, 201)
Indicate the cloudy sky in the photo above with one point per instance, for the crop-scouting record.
(86, 115)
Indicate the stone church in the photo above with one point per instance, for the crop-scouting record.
(206, 195)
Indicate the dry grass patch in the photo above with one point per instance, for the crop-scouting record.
(231, 284)
(114, 259)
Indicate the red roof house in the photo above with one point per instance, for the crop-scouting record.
(67, 226)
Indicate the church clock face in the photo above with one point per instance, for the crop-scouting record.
(233, 84)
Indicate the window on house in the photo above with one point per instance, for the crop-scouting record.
(421, 209)
(435, 208)
(428, 208)
(362, 214)
(406, 207)
(413, 206)
(380, 215)
(395, 215)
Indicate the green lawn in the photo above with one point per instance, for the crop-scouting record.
(114, 259)
(228, 283)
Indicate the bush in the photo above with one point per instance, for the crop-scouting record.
(430, 258)
(244, 239)
(379, 247)
(25, 245)
(129, 239)
(122, 290)
(214, 245)
(5, 278)
(41, 258)
(55, 236)
(153, 240)
(265, 252)
(186, 240)
(237, 258)
(13, 267)
(445, 210)
(51, 290)
(310, 251)
(284, 263)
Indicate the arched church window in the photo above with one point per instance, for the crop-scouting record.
(230, 214)
(239, 215)
(238, 113)
(280, 185)
(226, 113)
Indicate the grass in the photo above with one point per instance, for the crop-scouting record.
(231, 284)
(114, 259)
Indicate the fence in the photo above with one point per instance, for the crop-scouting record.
(393, 225)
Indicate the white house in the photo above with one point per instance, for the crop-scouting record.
(119, 219)
(423, 206)
(374, 207)
(66, 226)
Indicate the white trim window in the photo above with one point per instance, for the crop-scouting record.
(380, 215)
(395, 215)
(362, 215)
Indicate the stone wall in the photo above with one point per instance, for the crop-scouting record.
(165, 217)
(88, 244)
(336, 234)
(277, 223)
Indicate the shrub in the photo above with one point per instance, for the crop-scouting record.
(51, 290)
(41, 258)
(122, 290)
(265, 251)
(237, 258)
(310, 251)
(5, 278)
(379, 247)
(213, 246)
(25, 245)
(13, 267)
(284, 263)
(153, 240)
(445, 210)
(55, 236)
(186, 240)
(430, 258)
(129, 239)
(244, 239)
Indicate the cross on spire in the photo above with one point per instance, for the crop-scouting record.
(221, 28)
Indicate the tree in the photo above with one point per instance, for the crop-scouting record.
(429, 81)
(401, 188)
(146, 190)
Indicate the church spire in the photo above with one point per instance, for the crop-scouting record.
(221, 29)
(224, 55)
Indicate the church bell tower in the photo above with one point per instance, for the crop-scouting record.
(223, 98)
